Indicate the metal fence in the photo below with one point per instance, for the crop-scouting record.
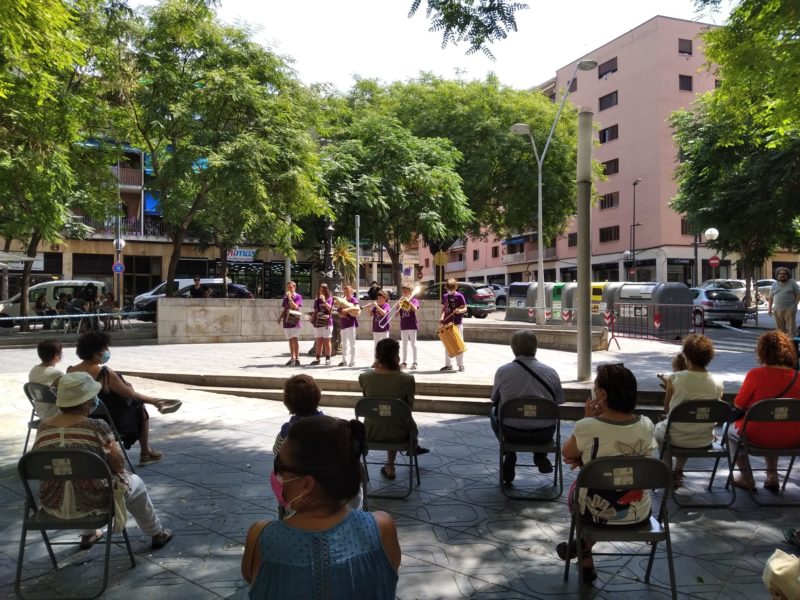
(66, 323)
(664, 322)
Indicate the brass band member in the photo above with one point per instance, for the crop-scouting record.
(409, 326)
(454, 307)
(323, 323)
(292, 301)
(348, 327)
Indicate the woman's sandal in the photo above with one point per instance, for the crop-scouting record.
(772, 484)
(745, 484)
(151, 457)
(161, 539)
(388, 474)
(87, 541)
(677, 478)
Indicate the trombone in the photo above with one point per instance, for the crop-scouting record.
(402, 304)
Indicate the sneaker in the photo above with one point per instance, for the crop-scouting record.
(290, 363)
(352, 363)
(461, 369)
(509, 466)
(161, 539)
(420, 450)
(403, 366)
(149, 459)
(296, 362)
(343, 363)
(414, 367)
(314, 362)
(446, 368)
(328, 360)
(544, 464)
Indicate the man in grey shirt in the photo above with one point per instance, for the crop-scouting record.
(525, 376)
(783, 299)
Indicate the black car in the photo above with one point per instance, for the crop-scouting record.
(480, 297)
(150, 305)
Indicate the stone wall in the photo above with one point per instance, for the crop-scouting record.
(211, 320)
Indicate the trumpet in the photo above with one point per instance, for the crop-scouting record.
(404, 303)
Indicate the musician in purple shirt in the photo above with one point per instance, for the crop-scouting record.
(348, 326)
(292, 322)
(454, 307)
(322, 318)
(409, 326)
(378, 310)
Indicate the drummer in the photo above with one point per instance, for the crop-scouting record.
(348, 327)
(322, 318)
(408, 327)
(454, 307)
(378, 310)
(292, 301)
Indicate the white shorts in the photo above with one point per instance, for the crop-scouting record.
(323, 332)
(291, 332)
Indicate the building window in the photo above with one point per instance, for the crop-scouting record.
(609, 133)
(685, 47)
(717, 84)
(609, 201)
(685, 228)
(607, 68)
(572, 240)
(608, 100)
(609, 234)
(611, 166)
(427, 263)
(685, 83)
(573, 86)
(495, 251)
(475, 254)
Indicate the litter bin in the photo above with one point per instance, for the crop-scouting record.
(518, 302)
(568, 303)
(555, 303)
(605, 309)
(661, 310)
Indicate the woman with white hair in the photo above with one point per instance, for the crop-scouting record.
(76, 399)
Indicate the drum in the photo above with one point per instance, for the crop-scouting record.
(293, 316)
(451, 338)
(322, 319)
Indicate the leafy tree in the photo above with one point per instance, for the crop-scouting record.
(225, 123)
(400, 184)
(344, 260)
(477, 22)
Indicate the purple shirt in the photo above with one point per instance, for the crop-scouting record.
(408, 318)
(450, 302)
(376, 328)
(319, 306)
(346, 320)
(297, 299)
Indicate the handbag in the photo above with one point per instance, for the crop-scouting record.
(120, 509)
(782, 576)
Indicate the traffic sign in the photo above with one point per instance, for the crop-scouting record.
(713, 262)
(118, 267)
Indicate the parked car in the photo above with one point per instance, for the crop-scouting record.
(51, 290)
(716, 304)
(150, 304)
(737, 286)
(500, 295)
(764, 287)
(161, 288)
(480, 297)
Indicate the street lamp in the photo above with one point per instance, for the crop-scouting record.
(711, 234)
(525, 129)
(634, 225)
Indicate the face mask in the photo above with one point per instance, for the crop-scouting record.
(594, 396)
(277, 489)
(95, 402)
(105, 357)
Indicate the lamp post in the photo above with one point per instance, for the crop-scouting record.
(711, 234)
(525, 129)
(634, 225)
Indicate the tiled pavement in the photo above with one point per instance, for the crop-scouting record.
(461, 538)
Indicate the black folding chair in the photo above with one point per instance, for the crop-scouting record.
(74, 319)
(769, 410)
(101, 412)
(534, 410)
(65, 464)
(394, 411)
(36, 392)
(624, 473)
(701, 412)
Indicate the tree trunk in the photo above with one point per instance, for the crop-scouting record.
(177, 244)
(223, 268)
(27, 266)
(397, 267)
(4, 291)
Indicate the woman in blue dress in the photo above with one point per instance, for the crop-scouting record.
(324, 550)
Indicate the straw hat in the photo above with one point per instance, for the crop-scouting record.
(76, 388)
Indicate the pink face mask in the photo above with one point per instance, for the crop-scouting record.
(277, 489)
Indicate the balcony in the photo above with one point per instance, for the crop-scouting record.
(459, 244)
(129, 228)
(130, 178)
(527, 256)
(457, 265)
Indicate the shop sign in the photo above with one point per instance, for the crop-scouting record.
(18, 265)
(242, 254)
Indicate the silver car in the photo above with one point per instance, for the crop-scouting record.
(716, 304)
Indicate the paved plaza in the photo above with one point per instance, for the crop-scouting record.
(460, 536)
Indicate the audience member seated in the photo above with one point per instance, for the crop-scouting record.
(386, 380)
(72, 428)
(43, 309)
(62, 304)
(45, 373)
(107, 305)
(692, 383)
(609, 429)
(324, 550)
(126, 405)
(775, 378)
(524, 376)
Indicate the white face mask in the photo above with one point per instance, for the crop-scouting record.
(594, 395)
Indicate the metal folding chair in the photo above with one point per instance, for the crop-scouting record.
(36, 392)
(101, 412)
(706, 412)
(769, 410)
(65, 464)
(624, 473)
(74, 319)
(390, 410)
(533, 409)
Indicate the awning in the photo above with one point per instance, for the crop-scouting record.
(515, 240)
(15, 257)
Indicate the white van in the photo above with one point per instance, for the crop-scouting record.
(51, 290)
(161, 288)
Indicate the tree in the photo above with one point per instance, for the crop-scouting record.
(477, 22)
(344, 260)
(400, 184)
(225, 122)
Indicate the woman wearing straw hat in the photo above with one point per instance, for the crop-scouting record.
(72, 428)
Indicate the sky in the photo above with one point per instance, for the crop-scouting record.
(333, 41)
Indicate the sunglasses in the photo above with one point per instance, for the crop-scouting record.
(278, 467)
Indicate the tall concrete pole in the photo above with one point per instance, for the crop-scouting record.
(584, 290)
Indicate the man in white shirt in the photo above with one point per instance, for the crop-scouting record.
(45, 373)
(525, 376)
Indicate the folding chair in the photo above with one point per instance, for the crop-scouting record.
(769, 410)
(65, 464)
(696, 412)
(101, 412)
(74, 319)
(624, 473)
(390, 410)
(36, 392)
(532, 409)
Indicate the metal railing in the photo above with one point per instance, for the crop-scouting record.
(129, 227)
(456, 265)
(664, 322)
(58, 322)
(127, 176)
